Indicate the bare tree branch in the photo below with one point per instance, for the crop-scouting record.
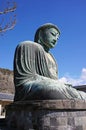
(9, 10)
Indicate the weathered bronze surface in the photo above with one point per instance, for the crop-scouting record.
(35, 69)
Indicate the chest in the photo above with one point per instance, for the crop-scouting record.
(51, 64)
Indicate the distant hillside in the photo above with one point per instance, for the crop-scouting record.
(6, 81)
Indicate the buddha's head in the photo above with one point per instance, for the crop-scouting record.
(47, 35)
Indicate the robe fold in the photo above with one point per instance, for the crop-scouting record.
(35, 75)
(30, 64)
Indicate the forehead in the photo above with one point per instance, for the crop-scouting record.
(51, 30)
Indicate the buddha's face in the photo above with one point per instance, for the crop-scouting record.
(49, 37)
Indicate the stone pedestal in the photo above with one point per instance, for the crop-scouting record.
(47, 115)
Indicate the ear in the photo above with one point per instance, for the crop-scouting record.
(40, 33)
(39, 36)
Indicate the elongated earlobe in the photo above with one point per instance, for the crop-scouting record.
(40, 36)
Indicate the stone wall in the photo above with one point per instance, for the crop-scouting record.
(47, 115)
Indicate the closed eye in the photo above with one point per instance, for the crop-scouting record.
(53, 34)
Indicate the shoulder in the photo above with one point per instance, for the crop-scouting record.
(30, 44)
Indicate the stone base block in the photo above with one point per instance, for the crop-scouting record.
(47, 115)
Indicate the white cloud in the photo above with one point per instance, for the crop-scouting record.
(83, 74)
(80, 81)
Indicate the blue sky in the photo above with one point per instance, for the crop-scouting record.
(69, 16)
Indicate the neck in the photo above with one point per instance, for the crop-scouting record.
(46, 48)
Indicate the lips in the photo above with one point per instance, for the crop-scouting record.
(53, 42)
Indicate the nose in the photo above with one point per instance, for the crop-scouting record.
(55, 39)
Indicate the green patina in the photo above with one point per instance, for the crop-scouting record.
(36, 72)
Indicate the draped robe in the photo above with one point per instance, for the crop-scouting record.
(35, 75)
